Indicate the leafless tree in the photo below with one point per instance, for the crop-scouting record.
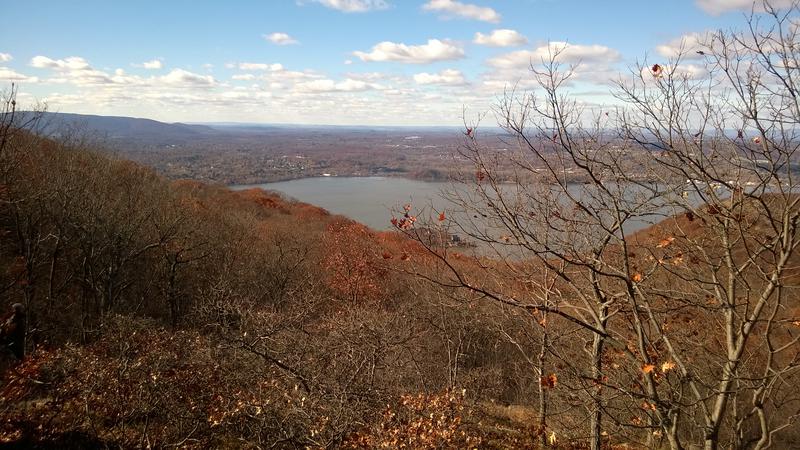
(669, 223)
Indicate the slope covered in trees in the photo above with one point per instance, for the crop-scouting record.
(176, 313)
(164, 313)
(161, 313)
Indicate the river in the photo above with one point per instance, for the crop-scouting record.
(368, 200)
(371, 200)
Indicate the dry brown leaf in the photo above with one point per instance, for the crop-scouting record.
(665, 242)
(549, 381)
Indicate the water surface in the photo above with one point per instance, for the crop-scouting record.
(371, 200)
(368, 200)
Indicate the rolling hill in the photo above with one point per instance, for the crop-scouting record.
(116, 128)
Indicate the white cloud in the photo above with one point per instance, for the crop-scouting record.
(350, 6)
(180, 77)
(64, 99)
(73, 69)
(7, 74)
(260, 66)
(276, 76)
(260, 91)
(567, 53)
(592, 64)
(450, 77)
(434, 50)
(327, 85)
(5, 57)
(153, 64)
(686, 46)
(119, 78)
(692, 71)
(76, 70)
(453, 8)
(71, 63)
(500, 38)
(280, 39)
(368, 76)
(717, 7)
(292, 76)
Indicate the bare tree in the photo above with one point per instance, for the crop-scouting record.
(732, 136)
(669, 223)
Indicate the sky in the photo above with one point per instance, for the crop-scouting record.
(333, 62)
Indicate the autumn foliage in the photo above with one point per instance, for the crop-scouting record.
(629, 290)
(354, 266)
(182, 314)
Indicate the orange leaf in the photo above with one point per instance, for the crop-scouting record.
(549, 381)
(667, 366)
(665, 242)
(647, 368)
(637, 277)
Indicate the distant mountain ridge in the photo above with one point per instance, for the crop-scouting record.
(116, 127)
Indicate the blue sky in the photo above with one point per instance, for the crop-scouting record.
(386, 62)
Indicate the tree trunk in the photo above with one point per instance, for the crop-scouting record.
(541, 362)
(596, 417)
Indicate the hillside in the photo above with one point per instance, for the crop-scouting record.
(187, 313)
(118, 128)
(177, 313)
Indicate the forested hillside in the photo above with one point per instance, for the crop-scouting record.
(148, 312)
(166, 314)
(181, 314)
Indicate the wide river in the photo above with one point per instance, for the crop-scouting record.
(371, 200)
(368, 200)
